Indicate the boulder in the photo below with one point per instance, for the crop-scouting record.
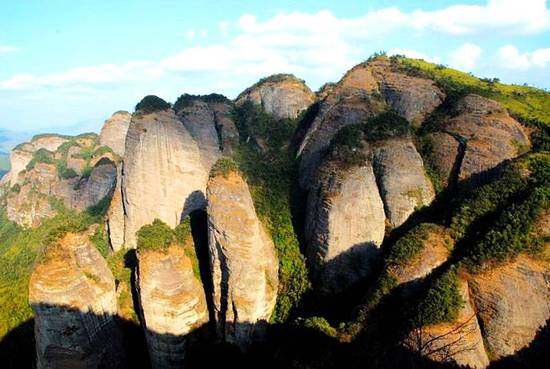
(512, 302)
(401, 179)
(172, 303)
(163, 176)
(243, 261)
(345, 224)
(113, 132)
(72, 293)
(282, 95)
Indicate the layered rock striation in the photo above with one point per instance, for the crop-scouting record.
(243, 261)
(72, 293)
(172, 302)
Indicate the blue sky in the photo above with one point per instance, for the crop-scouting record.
(65, 66)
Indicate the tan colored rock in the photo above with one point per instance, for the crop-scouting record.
(163, 177)
(282, 95)
(365, 91)
(243, 261)
(113, 132)
(490, 135)
(345, 224)
(172, 302)
(115, 215)
(512, 302)
(459, 341)
(200, 121)
(401, 178)
(72, 292)
(435, 251)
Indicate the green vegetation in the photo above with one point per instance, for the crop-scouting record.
(319, 324)
(156, 236)
(40, 156)
(441, 302)
(151, 103)
(529, 104)
(348, 146)
(386, 125)
(224, 166)
(186, 100)
(19, 249)
(270, 174)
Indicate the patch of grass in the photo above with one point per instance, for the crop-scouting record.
(40, 156)
(186, 100)
(156, 236)
(223, 167)
(386, 125)
(100, 239)
(319, 324)
(529, 104)
(441, 302)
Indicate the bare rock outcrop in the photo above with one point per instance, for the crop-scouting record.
(512, 302)
(163, 176)
(282, 95)
(243, 261)
(72, 292)
(402, 182)
(345, 224)
(113, 132)
(459, 341)
(489, 135)
(115, 214)
(172, 303)
(365, 91)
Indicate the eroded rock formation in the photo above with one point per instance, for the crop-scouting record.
(243, 262)
(512, 302)
(72, 292)
(113, 132)
(345, 225)
(163, 176)
(172, 303)
(282, 95)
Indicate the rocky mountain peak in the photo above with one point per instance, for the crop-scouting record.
(282, 95)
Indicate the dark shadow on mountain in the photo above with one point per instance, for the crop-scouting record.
(195, 201)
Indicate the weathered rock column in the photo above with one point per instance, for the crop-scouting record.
(243, 261)
(72, 292)
(172, 301)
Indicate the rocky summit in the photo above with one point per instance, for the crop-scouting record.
(396, 218)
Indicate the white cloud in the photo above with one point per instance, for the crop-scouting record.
(6, 49)
(509, 57)
(318, 45)
(465, 57)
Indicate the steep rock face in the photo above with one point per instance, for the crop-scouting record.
(22, 154)
(365, 91)
(172, 303)
(163, 177)
(401, 179)
(445, 156)
(489, 133)
(282, 95)
(115, 214)
(200, 121)
(243, 261)
(113, 132)
(72, 292)
(345, 225)
(512, 302)
(460, 341)
(99, 185)
(435, 251)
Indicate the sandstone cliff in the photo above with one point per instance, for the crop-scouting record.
(72, 292)
(345, 225)
(282, 95)
(512, 302)
(113, 132)
(163, 176)
(243, 261)
(172, 303)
